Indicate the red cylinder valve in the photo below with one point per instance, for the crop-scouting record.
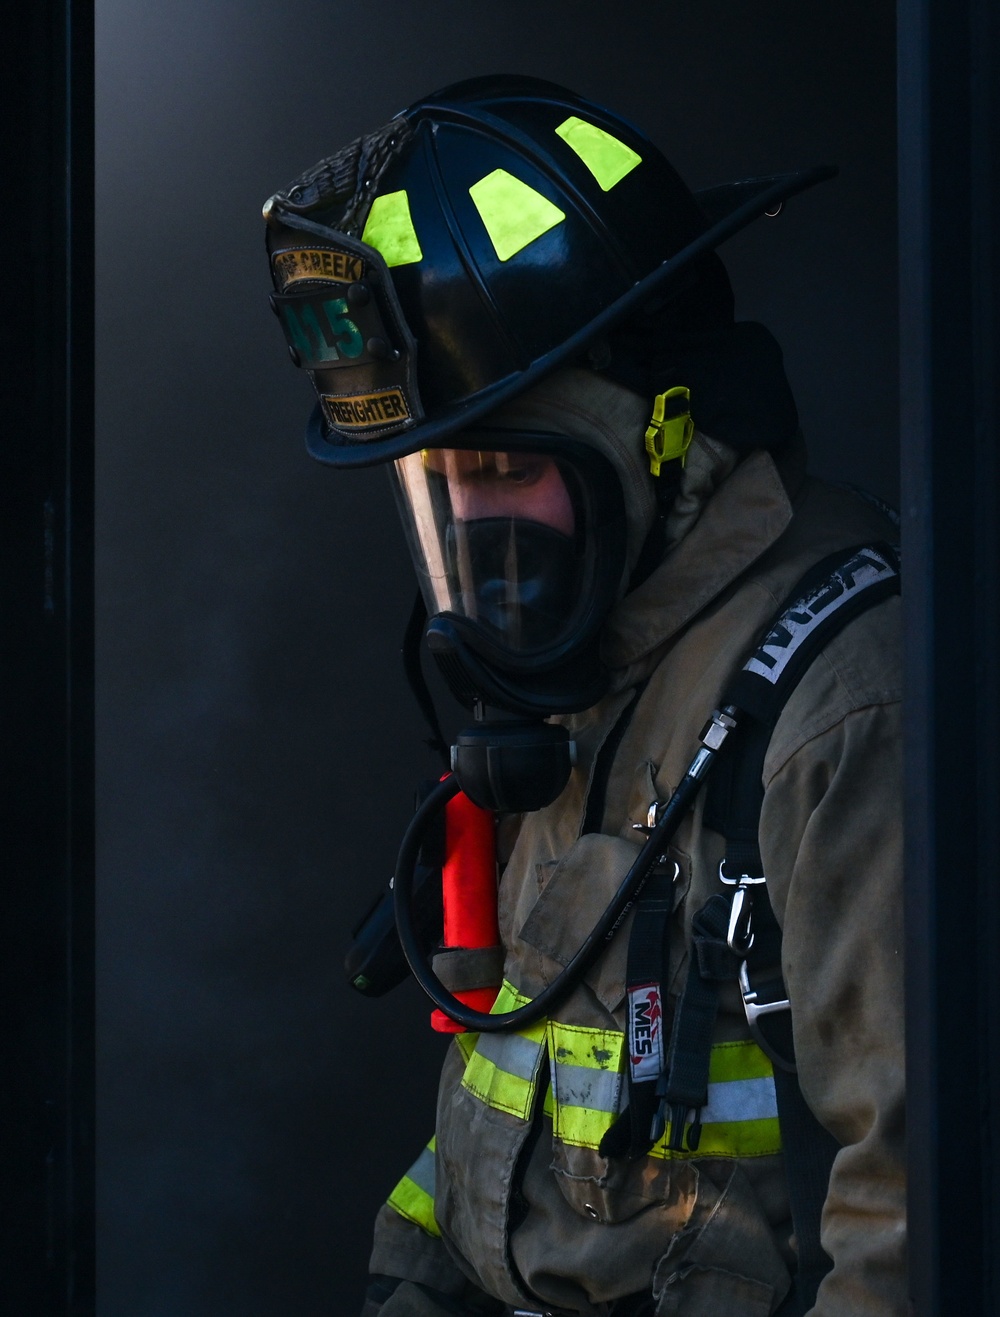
(469, 894)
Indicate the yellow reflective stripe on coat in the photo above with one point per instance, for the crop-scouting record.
(466, 1044)
(588, 1085)
(740, 1120)
(503, 1068)
(413, 1197)
(587, 1080)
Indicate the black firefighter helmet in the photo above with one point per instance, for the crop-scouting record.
(436, 268)
(431, 272)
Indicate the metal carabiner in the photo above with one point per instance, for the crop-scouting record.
(739, 935)
(652, 818)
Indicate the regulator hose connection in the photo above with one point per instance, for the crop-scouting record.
(668, 819)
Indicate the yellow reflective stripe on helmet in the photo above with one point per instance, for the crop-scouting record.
(389, 229)
(514, 213)
(502, 1070)
(607, 158)
(413, 1197)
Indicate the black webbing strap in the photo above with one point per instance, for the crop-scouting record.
(647, 969)
(809, 1151)
(829, 596)
(762, 976)
(683, 1087)
(835, 592)
(734, 798)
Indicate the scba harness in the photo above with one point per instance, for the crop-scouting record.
(667, 1111)
(736, 936)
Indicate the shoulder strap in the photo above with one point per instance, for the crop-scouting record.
(831, 594)
(824, 600)
(835, 592)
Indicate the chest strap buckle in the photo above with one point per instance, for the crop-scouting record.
(778, 1048)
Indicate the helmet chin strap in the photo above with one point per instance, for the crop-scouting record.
(666, 485)
(416, 680)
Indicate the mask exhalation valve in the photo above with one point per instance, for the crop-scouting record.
(513, 765)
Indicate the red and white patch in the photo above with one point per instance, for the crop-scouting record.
(645, 1035)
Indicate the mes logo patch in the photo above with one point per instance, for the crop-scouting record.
(645, 1034)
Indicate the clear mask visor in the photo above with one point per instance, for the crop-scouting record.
(500, 539)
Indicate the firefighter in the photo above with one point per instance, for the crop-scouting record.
(510, 295)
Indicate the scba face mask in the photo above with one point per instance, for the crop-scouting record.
(518, 539)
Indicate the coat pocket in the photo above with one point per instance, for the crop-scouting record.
(578, 890)
(726, 1260)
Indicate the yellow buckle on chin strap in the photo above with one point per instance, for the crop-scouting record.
(671, 428)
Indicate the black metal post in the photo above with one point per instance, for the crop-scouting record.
(46, 665)
(949, 91)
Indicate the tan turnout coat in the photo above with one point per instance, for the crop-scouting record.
(536, 1221)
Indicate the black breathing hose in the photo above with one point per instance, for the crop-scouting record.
(667, 822)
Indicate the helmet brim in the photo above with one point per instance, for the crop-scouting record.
(727, 208)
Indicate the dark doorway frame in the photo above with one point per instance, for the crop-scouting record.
(47, 691)
(949, 58)
(949, 142)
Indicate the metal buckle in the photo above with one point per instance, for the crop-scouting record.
(744, 879)
(752, 1008)
(646, 828)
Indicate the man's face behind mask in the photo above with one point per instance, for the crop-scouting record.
(524, 486)
(504, 538)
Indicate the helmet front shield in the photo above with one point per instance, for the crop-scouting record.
(343, 323)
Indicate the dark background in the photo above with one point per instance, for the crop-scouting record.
(257, 748)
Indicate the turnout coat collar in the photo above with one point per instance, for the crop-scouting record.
(740, 521)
